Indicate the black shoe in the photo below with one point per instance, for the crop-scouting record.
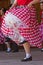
(27, 59)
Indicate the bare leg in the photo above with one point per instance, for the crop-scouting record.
(8, 47)
(28, 57)
(7, 44)
(27, 47)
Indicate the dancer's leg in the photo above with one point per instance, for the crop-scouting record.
(8, 47)
(7, 44)
(28, 57)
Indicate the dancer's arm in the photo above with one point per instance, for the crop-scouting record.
(14, 4)
(33, 2)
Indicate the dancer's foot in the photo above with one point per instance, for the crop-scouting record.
(8, 50)
(27, 59)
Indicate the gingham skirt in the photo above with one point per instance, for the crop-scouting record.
(2, 38)
(41, 30)
(20, 23)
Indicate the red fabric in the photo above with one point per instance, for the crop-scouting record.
(0, 20)
(41, 26)
(23, 2)
(31, 33)
(41, 14)
(2, 38)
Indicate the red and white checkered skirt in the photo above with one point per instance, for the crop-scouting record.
(2, 38)
(20, 23)
(41, 30)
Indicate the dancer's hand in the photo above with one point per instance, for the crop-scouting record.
(29, 5)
